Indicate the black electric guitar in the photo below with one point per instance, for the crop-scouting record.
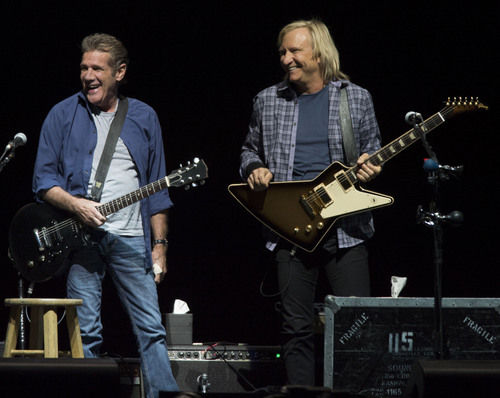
(42, 236)
(302, 212)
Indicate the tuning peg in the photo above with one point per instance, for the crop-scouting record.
(196, 160)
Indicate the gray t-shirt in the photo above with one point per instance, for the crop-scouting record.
(121, 179)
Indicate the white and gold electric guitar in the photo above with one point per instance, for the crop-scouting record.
(302, 212)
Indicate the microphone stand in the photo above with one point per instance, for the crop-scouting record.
(6, 157)
(434, 219)
(22, 328)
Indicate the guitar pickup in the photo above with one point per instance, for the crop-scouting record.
(316, 200)
(343, 180)
(322, 195)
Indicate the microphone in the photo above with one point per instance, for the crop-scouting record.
(430, 166)
(413, 117)
(455, 218)
(19, 140)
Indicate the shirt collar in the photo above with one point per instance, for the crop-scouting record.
(285, 88)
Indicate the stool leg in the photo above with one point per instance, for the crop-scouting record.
(51, 347)
(36, 328)
(75, 337)
(12, 332)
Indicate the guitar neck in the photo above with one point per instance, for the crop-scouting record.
(133, 197)
(403, 142)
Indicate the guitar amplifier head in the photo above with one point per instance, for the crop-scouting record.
(226, 368)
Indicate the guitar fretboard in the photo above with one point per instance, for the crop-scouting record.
(133, 197)
(403, 142)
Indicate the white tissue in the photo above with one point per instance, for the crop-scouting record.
(397, 284)
(157, 269)
(180, 307)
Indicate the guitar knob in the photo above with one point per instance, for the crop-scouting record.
(309, 228)
(296, 230)
(321, 225)
(30, 264)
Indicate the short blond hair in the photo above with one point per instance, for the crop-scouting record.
(322, 45)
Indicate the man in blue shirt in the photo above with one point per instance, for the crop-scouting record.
(294, 134)
(70, 147)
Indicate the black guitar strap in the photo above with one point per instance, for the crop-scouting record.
(109, 149)
(349, 140)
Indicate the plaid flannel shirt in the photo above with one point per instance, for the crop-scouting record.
(271, 142)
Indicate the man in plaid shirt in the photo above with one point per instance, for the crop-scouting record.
(294, 134)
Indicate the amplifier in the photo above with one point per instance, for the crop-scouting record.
(371, 343)
(60, 377)
(71, 377)
(226, 368)
(131, 381)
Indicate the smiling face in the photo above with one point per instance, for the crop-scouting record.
(299, 63)
(100, 81)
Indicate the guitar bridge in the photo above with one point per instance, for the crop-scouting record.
(316, 200)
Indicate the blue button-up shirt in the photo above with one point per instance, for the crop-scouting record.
(66, 150)
(272, 135)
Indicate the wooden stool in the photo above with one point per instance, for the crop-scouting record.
(43, 325)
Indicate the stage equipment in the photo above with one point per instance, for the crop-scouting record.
(60, 377)
(19, 140)
(371, 343)
(444, 378)
(226, 368)
(433, 218)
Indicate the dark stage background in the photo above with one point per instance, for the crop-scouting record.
(199, 64)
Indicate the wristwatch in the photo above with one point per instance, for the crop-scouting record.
(163, 242)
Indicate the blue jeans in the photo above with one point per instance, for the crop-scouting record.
(124, 258)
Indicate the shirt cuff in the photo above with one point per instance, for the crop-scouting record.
(252, 166)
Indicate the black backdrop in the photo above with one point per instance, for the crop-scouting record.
(199, 65)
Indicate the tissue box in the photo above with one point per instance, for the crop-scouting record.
(371, 343)
(179, 328)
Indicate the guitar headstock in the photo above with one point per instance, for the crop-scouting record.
(459, 105)
(190, 175)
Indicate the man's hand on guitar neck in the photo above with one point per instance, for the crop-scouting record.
(367, 171)
(86, 211)
(259, 179)
(83, 208)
